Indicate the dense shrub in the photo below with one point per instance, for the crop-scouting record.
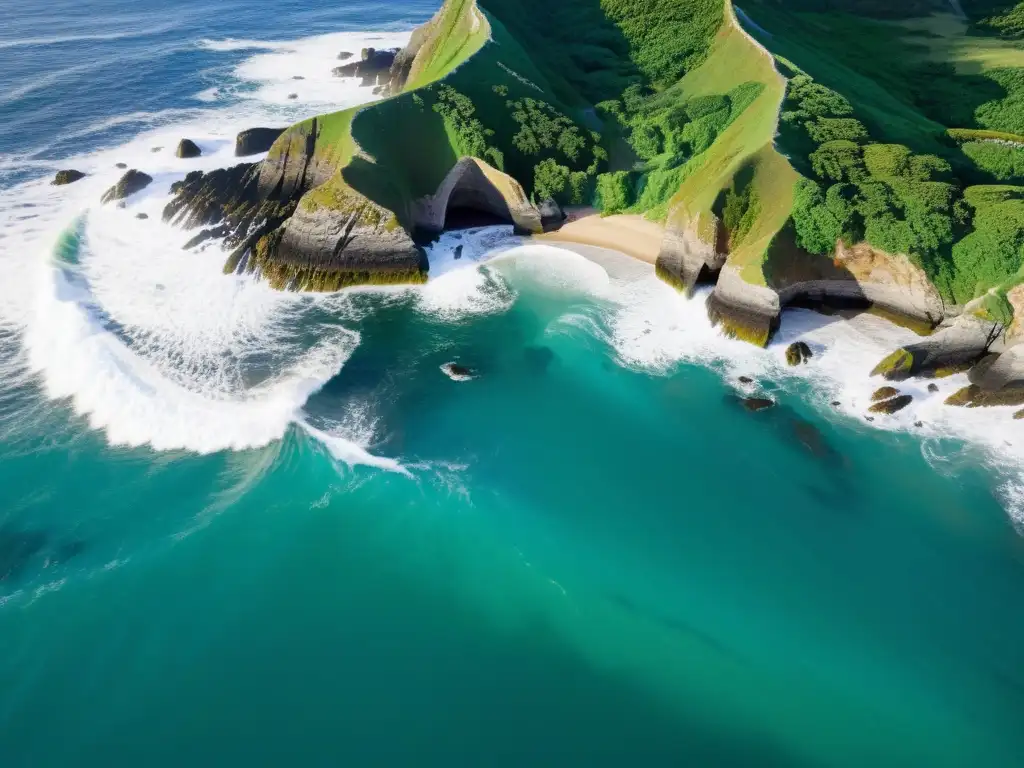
(614, 192)
(550, 180)
(1003, 161)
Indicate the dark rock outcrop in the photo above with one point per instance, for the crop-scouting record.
(293, 95)
(798, 353)
(373, 67)
(69, 176)
(933, 387)
(891, 405)
(551, 215)
(345, 55)
(122, 166)
(253, 141)
(133, 181)
(226, 203)
(884, 393)
(187, 149)
(142, 216)
(745, 380)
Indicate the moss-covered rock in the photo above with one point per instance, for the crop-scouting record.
(798, 353)
(892, 405)
(884, 393)
(69, 176)
(133, 181)
(973, 396)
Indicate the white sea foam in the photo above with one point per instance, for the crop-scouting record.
(153, 344)
(651, 327)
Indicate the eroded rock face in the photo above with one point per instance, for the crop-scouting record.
(226, 203)
(689, 253)
(187, 149)
(69, 176)
(133, 181)
(253, 141)
(472, 183)
(954, 347)
(373, 67)
(973, 396)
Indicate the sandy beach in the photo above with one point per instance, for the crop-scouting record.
(633, 235)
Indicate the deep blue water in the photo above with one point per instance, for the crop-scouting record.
(245, 527)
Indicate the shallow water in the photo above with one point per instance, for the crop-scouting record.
(246, 526)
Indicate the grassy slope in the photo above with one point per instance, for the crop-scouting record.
(746, 144)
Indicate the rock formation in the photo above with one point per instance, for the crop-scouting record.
(187, 149)
(133, 181)
(798, 353)
(373, 67)
(67, 177)
(892, 405)
(256, 140)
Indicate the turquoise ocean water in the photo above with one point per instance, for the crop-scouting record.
(239, 527)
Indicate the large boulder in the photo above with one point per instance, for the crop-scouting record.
(187, 149)
(551, 215)
(884, 393)
(798, 353)
(256, 140)
(69, 176)
(133, 181)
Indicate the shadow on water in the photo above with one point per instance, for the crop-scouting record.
(672, 623)
(24, 549)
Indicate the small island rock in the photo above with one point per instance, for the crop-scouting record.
(69, 176)
(457, 372)
(133, 181)
(187, 148)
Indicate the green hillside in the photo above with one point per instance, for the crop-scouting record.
(774, 130)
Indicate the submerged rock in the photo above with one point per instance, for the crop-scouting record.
(253, 141)
(457, 372)
(745, 380)
(884, 393)
(836, 403)
(69, 176)
(298, 77)
(122, 166)
(293, 95)
(133, 181)
(538, 359)
(345, 55)
(142, 216)
(187, 149)
(798, 353)
(755, 404)
(892, 405)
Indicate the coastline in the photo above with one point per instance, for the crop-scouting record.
(630, 234)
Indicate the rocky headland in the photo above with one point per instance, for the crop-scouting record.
(478, 118)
